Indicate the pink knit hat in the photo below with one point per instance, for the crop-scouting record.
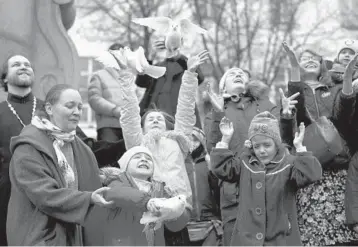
(265, 124)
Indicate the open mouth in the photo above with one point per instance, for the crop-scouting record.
(143, 165)
(311, 66)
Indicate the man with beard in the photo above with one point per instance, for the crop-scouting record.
(17, 78)
(17, 111)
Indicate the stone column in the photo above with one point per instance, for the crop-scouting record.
(37, 29)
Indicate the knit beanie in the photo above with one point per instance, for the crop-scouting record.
(265, 124)
(223, 79)
(348, 44)
(127, 156)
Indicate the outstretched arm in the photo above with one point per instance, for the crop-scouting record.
(185, 118)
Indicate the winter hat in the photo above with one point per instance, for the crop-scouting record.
(223, 79)
(127, 156)
(348, 44)
(265, 124)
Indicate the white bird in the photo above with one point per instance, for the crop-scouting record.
(170, 209)
(125, 58)
(174, 31)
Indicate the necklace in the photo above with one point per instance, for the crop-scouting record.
(17, 115)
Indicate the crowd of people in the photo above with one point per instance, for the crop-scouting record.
(251, 172)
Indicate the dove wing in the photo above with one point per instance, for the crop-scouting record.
(161, 24)
(187, 27)
(108, 60)
(151, 70)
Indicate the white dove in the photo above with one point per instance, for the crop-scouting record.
(170, 209)
(174, 31)
(125, 58)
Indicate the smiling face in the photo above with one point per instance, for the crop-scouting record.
(235, 82)
(141, 166)
(154, 121)
(310, 63)
(345, 56)
(67, 111)
(20, 72)
(264, 148)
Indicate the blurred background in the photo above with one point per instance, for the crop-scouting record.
(63, 37)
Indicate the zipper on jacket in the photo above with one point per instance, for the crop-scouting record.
(315, 101)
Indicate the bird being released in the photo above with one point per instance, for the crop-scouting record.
(174, 31)
(124, 58)
(169, 209)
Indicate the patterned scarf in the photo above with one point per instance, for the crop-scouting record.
(59, 137)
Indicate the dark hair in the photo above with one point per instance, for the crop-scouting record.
(115, 46)
(169, 120)
(324, 76)
(52, 97)
(5, 70)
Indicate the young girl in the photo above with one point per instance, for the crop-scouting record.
(132, 187)
(268, 177)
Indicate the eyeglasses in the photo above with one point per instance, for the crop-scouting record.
(308, 58)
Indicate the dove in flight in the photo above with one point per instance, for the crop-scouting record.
(125, 58)
(169, 209)
(174, 31)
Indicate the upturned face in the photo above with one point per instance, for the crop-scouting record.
(67, 112)
(235, 82)
(20, 72)
(264, 148)
(154, 121)
(310, 63)
(141, 166)
(345, 56)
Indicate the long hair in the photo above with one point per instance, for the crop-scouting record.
(52, 97)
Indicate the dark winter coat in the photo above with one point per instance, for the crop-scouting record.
(240, 113)
(42, 211)
(122, 227)
(267, 203)
(164, 91)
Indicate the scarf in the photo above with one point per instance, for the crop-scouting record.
(59, 137)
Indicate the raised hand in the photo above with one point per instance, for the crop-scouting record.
(194, 61)
(290, 53)
(288, 103)
(295, 66)
(226, 129)
(159, 44)
(217, 101)
(348, 76)
(297, 142)
(97, 197)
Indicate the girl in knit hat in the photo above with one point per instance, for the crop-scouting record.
(131, 188)
(268, 178)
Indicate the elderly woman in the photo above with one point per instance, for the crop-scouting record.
(321, 213)
(53, 175)
(240, 100)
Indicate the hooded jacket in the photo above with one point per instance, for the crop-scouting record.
(240, 112)
(42, 211)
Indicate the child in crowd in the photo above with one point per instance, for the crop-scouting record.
(268, 178)
(132, 188)
(346, 53)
